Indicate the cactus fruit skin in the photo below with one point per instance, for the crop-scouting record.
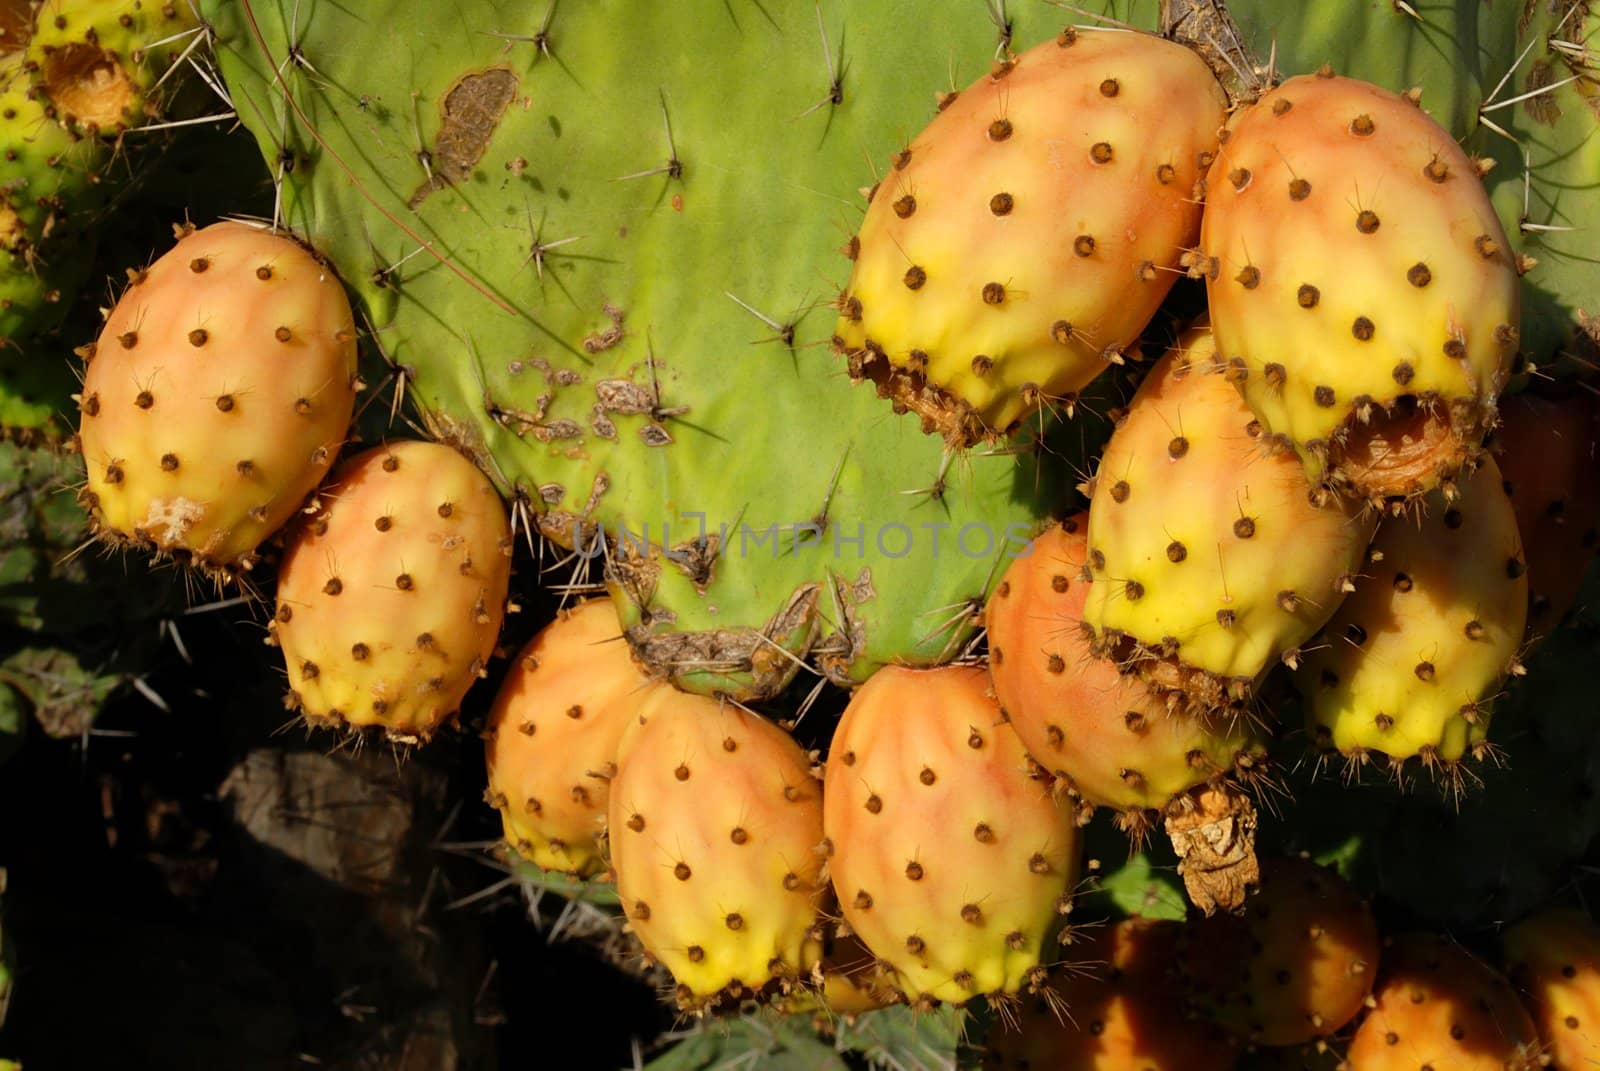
(1025, 238)
(951, 856)
(1364, 295)
(1296, 967)
(1548, 450)
(714, 822)
(1123, 1012)
(553, 735)
(1438, 1006)
(1553, 959)
(391, 593)
(1213, 557)
(1436, 622)
(217, 395)
(1108, 738)
(100, 61)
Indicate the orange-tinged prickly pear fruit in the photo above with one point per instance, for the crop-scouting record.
(553, 735)
(393, 589)
(217, 395)
(714, 826)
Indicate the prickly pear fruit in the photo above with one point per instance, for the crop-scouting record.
(1363, 293)
(1548, 451)
(553, 734)
(392, 590)
(1107, 738)
(1213, 557)
(217, 395)
(951, 857)
(1553, 959)
(1438, 1006)
(1024, 239)
(1123, 1011)
(714, 821)
(849, 980)
(1297, 966)
(99, 62)
(1411, 660)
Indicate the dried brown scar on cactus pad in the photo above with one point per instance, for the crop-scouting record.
(1367, 301)
(1025, 238)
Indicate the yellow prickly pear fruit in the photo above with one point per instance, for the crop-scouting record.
(715, 822)
(952, 854)
(553, 735)
(393, 589)
(1024, 239)
(1213, 557)
(217, 395)
(1413, 658)
(1365, 298)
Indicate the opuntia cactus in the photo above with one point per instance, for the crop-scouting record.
(1108, 738)
(1553, 959)
(1436, 1005)
(952, 858)
(604, 374)
(1122, 1010)
(100, 62)
(714, 821)
(392, 590)
(1296, 967)
(1020, 243)
(1213, 558)
(1363, 293)
(1413, 659)
(553, 734)
(217, 396)
(1548, 450)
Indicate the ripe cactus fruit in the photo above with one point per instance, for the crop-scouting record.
(1553, 959)
(1438, 1006)
(1123, 1011)
(392, 590)
(1296, 967)
(1107, 738)
(1023, 240)
(553, 734)
(951, 855)
(1548, 450)
(217, 395)
(1411, 660)
(1364, 295)
(714, 820)
(1213, 557)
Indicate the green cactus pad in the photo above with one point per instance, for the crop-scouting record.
(600, 243)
